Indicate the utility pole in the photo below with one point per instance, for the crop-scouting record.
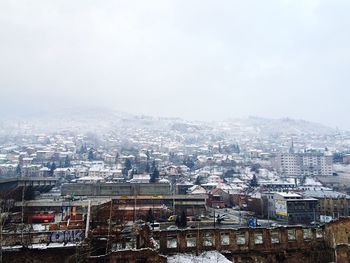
(134, 192)
(88, 220)
(22, 214)
(268, 211)
(174, 184)
(240, 216)
(314, 215)
(214, 217)
(335, 249)
(197, 238)
(1, 233)
(109, 227)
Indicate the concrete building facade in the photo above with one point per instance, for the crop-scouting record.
(303, 164)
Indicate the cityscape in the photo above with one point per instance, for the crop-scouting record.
(145, 188)
(174, 131)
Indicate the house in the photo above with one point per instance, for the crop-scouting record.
(62, 172)
(182, 187)
(140, 178)
(219, 198)
(196, 190)
(44, 172)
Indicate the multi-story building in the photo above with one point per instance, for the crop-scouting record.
(294, 209)
(268, 204)
(332, 204)
(316, 164)
(31, 170)
(303, 164)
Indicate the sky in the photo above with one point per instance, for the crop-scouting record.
(194, 59)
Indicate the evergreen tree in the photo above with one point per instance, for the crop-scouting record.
(52, 169)
(183, 219)
(83, 149)
(154, 176)
(127, 164)
(198, 180)
(189, 163)
(127, 167)
(116, 158)
(148, 168)
(254, 181)
(67, 162)
(91, 155)
(133, 171)
(18, 170)
(150, 217)
(153, 166)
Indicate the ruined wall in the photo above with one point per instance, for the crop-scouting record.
(337, 237)
(47, 237)
(290, 244)
(337, 232)
(280, 245)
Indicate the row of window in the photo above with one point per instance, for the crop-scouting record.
(208, 240)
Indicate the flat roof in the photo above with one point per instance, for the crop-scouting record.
(288, 194)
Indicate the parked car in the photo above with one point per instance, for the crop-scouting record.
(172, 227)
(155, 226)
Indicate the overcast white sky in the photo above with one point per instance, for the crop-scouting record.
(200, 59)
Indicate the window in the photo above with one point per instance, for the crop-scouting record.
(291, 235)
(225, 239)
(274, 237)
(172, 242)
(319, 233)
(240, 238)
(258, 238)
(191, 240)
(307, 233)
(208, 240)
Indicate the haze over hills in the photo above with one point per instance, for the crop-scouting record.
(102, 119)
(287, 125)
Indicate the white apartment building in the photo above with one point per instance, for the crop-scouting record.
(300, 164)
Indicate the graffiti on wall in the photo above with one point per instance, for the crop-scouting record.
(66, 236)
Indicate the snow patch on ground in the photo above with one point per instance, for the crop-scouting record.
(206, 257)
